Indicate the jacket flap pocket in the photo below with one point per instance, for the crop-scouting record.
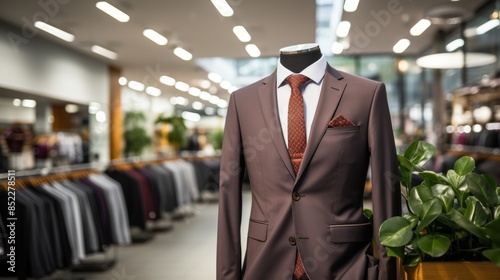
(351, 233)
(257, 230)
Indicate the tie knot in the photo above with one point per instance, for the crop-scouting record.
(296, 81)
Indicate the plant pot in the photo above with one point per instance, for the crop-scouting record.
(452, 270)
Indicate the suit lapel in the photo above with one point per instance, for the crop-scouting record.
(331, 93)
(268, 104)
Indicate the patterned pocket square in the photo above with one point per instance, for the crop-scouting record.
(340, 121)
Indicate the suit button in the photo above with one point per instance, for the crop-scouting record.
(292, 241)
(296, 196)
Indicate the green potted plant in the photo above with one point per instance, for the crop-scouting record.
(136, 138)
(451, 217)
(177, 132)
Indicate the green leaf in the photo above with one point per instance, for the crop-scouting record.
(412, 218)
(411, 259)
(464, 223)
(419, 152)
(368, 213)
(405, 177)
(398, 252)
(493, 255)
(405, 163)
(445, 220)
(475, 211)
(395, 232)
(419, 195)
(431, 177)
(434, 245)
(429, 211)
(490, 180)
(481, 189)
(454, 179)
(445, 195)
(498, 193)
(496, 213)
(464, 165)
(492, 229)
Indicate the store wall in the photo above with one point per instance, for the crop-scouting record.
(40, 67)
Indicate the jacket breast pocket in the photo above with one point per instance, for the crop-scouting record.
(349, 233)
(257, 230)
(344, 129)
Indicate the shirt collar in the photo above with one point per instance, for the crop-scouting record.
(315, 71)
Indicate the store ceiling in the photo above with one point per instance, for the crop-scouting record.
(196, 26)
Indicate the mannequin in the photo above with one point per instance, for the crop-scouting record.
(297, 57)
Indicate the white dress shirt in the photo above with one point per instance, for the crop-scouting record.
(310, 93)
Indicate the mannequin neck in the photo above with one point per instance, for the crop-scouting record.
(297, 58)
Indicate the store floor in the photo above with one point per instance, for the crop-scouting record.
(187, 252)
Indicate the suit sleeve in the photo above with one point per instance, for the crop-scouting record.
(386, 194)
(230, 200)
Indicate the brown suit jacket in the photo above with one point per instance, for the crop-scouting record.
(319, 211)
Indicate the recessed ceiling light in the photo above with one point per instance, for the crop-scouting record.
(181, 86)
(420, 27)
(252, 50)
(155, 37)
(242, 33)
(194, 91)
(29, 103)
(197, 105)
(104, 52)
(205, 95)
(136, 85)
(455, 44)
(225, 84)
(183, 54)
(223, 7)
(17, 102)
(169, 81)
(222, 103)
(205, 84)
(210, 110)
(214, 77)
(153, 91)
(401, 46)
(232, 89)
(112, 11)
(122, 81)
(214, 99)
(190, 116)
(68, 37)
(71, 108)
(351, 5)
(343, 28)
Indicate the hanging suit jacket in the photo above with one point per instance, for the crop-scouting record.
(319, 211)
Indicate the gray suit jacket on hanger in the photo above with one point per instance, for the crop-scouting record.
(319, 211)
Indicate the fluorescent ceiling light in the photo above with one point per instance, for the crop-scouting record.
(17, 102)
(112, 11)
(29, 103)
(197, 105)
(71, 108)
(401, 46)
(194, 91)
(351, 5)
(337, 48)
(420, 27)
(169, 81)
(252, 50)
(182, 53)
(455, 60)
(104, 52)
(153, 91)
(205, 95)
(455, 44)
(214, 77)
(68, 37)
(214, 99)
(487, 26)
(181, 86)
(136, 85)
(223, 7)
(225, 84)
(155, 37)
(343, 29)
(242, 33)
(190, 116)
(122, 81)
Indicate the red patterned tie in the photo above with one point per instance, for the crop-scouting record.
(296, 138)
